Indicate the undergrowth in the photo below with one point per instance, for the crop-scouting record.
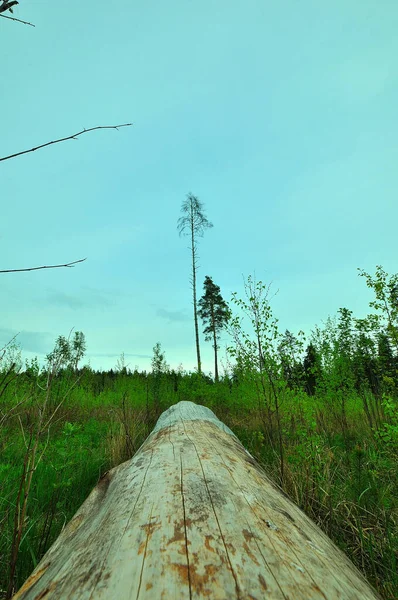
(345, 481)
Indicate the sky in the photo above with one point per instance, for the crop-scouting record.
(280, 116)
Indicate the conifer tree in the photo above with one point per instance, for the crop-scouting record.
(289, 348)
(214, 312)
(193, 223)
(159, 369)
(310, 365)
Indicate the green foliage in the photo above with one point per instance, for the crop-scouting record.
(385, 288)
(252, 349)
(388, 432)
(290, 348)
(351, 493)
(11, 357)
(214, 312)
(159, 364)
(337, 416)
(67, 353)
(312, 369)
(121, 366)
(324, 423)
(159, 369)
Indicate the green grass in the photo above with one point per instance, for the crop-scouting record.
(342, 475)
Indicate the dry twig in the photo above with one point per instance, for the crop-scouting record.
(7, 5)
(69, 137)
(70, 264)
(17, 20)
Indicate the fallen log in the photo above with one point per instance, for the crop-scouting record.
(192, 516)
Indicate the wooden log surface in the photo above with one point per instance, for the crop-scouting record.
(192, 516)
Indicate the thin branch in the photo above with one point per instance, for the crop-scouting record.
(7, 344)
(18, 20)
(7, 5)
(46, 267)
(4, 416)
(69, 137)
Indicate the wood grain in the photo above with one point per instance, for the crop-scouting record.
(192, 516)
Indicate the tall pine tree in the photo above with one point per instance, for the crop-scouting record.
(214, 312)
(193, 223)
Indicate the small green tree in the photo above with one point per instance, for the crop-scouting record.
(159, 364)
(256, 355)
(159, 368)
(11, 357)
(311, 366)
(289, 349)
(365, 357)
(385, 288)
(67, 353)
(121, 366)
(78, 348)
(61, 355)
(214, 312)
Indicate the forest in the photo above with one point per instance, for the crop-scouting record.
(319, 414)
(294, 143)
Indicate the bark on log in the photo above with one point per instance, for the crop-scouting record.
(192, 516)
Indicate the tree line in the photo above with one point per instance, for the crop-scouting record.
(348, 354)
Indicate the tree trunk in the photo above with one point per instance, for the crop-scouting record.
(195, 310)
(192, 516)
(215, 345)
(215, 358)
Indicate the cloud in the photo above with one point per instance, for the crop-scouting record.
(173, 315)
(89, 297)
(30, 341)
(62, 299)
(114, 355)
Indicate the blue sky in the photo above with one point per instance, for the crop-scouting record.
(280, 116)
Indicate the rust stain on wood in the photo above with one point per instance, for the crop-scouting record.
(208, 546)
(262, 581)
(141, 548)
(248, 535)
(203, 583)
(192, 515)
(250, 554)
(45, 593)
(32, 580)
(202, 579)
(179, 532)
(182, 570)
(149, 528)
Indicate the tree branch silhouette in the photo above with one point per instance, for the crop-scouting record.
(18, 20)
(7, 5)
(70, 264)
(69, 137)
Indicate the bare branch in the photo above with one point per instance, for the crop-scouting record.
(18, 20)
(69, 137)
(7, 5)
(46, 267)
(7, 344)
